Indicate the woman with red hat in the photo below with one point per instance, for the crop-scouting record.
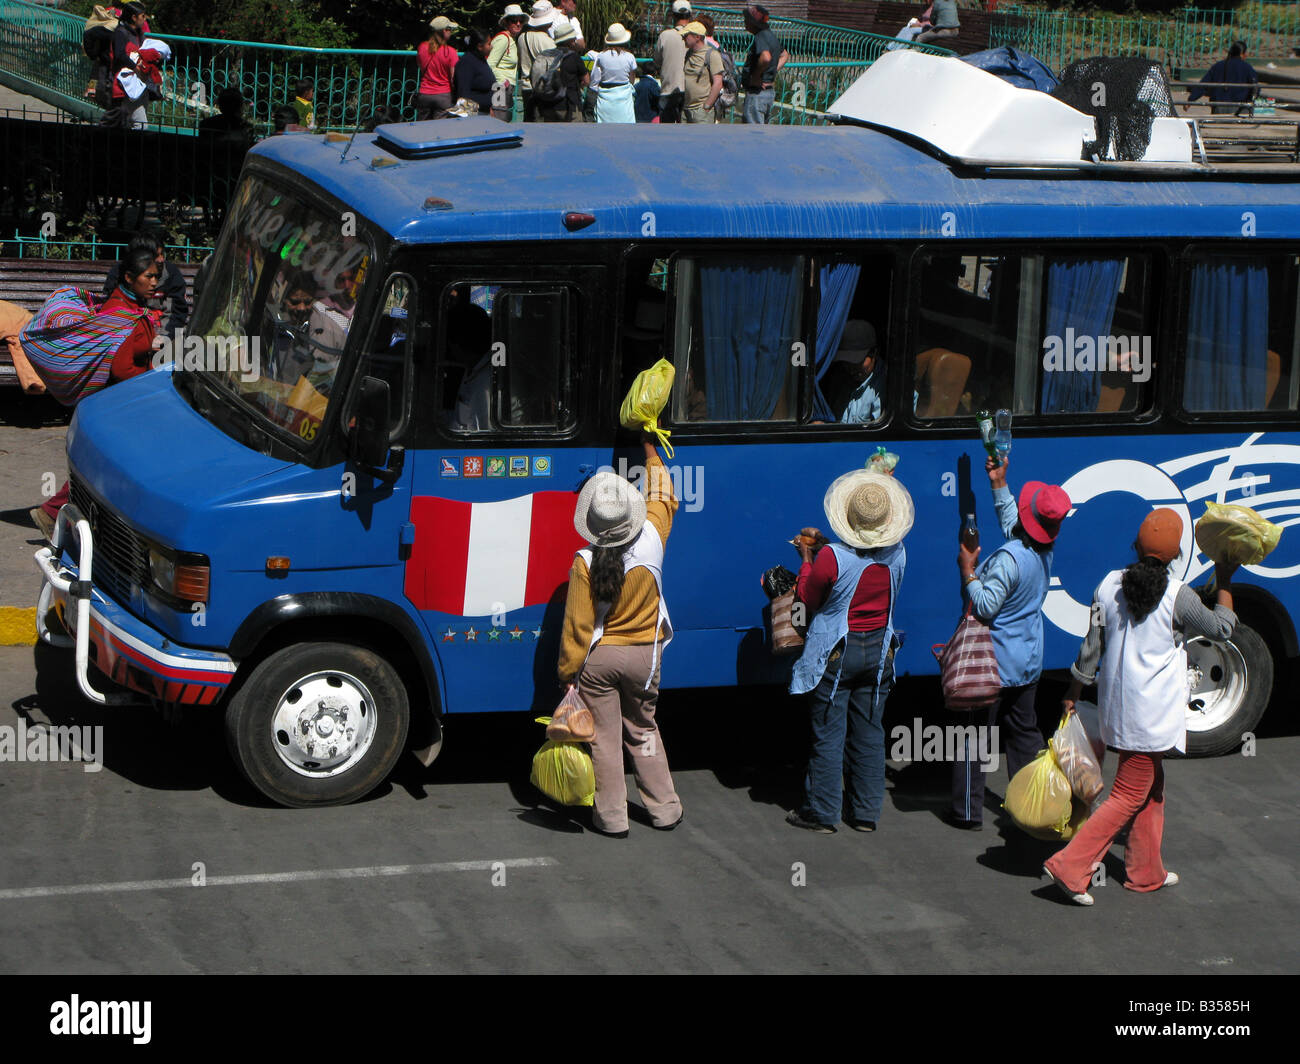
(1007, 594)
(1135, 652)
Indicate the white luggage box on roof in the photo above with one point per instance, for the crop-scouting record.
(976, 117)
(965, 112)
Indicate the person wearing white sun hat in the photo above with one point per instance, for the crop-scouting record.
(847, 665)
(573, 77)
(616, 628)
(612, 75)
(534, 40)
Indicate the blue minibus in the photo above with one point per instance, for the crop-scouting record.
(342, 511)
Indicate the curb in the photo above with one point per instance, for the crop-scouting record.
(17, 626)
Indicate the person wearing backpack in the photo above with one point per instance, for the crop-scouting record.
(703, 71)
(533, 42)
(670, 59)
(559, 77)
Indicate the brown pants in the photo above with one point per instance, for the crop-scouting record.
(613, 684)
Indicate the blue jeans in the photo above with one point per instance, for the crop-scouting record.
(846, 765)
(758, 105)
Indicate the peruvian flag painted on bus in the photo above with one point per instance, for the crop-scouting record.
(473, 559)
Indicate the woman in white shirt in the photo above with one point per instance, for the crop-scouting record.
(1135, 652)
(612, 75)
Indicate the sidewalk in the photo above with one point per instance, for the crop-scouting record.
(32, 435)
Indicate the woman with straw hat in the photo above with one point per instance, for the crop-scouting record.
(616, 627)
(847, 662)
(533, 41)
(612, 75)
(1135, 652)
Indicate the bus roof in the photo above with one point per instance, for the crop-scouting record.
(753, 182)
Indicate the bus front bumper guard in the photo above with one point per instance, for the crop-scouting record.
(128, 651)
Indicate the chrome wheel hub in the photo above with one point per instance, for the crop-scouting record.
(324, 724)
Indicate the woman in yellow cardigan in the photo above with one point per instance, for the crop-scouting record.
(615, 629)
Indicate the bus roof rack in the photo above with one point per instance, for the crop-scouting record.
(968, 116)
(456, 136)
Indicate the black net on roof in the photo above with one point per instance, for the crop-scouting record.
(1124, 96)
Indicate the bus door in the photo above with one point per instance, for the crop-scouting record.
(505, 441)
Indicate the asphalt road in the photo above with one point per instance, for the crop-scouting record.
(97, 869)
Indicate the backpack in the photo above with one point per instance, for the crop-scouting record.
(547, 78)
(97, 42)
(730, 81)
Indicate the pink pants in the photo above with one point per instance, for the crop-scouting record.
(1136, 796)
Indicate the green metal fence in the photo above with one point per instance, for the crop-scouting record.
(805, 41)
(41, 47)
(92, 250)
(1188, 37)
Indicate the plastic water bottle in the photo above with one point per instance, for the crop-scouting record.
(970, 533)
(1002, 437)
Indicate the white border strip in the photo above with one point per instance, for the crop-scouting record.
(370, 872)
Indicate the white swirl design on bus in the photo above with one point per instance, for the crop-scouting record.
(1234, 471)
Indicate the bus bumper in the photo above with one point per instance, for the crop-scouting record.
(121, 646)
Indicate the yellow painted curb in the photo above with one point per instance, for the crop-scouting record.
(17, 626)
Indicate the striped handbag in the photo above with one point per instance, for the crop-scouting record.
(968, 667)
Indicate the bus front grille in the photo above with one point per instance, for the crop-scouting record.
(121, 560)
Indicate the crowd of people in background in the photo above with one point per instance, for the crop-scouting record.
(540, 66)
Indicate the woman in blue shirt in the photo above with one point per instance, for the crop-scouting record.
(1007, 594)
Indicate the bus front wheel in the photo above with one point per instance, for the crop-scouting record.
(318, 724)
(1231, 683)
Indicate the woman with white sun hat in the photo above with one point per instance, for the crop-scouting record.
(612, 75)
(847, 665)
(616, 628)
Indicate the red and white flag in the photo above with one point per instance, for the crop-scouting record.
(473, 559)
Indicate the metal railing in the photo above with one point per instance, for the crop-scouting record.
(42, 47)
(1187, 37)
(92, 250)
(805, 41)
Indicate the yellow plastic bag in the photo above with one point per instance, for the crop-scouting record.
(1231, 533)
(564, 773)
(1039, 798)
(646, 400)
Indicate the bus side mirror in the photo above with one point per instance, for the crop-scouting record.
(369, 439)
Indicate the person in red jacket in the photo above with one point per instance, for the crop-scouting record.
(140, 276)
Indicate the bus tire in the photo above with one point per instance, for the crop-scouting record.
(1231, 684)
(318, 724)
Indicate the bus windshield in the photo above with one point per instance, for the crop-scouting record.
(278, 305)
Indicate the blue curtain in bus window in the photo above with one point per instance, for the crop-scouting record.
(1227, 336)
(750, 314)
(1081, 295)
(838, 283)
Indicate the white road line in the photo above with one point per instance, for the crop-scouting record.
(278, 877)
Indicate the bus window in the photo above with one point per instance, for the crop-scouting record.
(1242, 350)
(507, 357)
(971, 333)
(851, 339)
(737, 321)
(388, 352)
(1098, 351)
(1056, 334)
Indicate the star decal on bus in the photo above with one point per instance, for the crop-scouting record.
(516, 633)
(537, 635)
(471, 634)
(494, 635)
(449, 636)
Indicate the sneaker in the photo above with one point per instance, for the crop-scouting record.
(860, 825)
(953, 820)
(1078, 899)
(43, 521)
(809, 825)
(1171, 879)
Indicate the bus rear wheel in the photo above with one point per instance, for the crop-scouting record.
(318, 724)
(1231, 683)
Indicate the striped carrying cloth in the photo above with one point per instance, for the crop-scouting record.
(70, 342)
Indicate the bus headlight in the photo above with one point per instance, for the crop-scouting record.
(179, 575)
